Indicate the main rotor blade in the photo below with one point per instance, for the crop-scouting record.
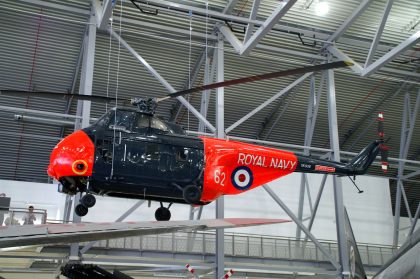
(56, 95)
(303, 70)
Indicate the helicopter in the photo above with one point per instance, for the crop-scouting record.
(129, 152)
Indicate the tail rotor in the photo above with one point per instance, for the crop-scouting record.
(383, 148)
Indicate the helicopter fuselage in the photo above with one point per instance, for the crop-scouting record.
(130, 154)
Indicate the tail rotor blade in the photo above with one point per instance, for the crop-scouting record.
(381, 133)
(384, 157)
(383, 148)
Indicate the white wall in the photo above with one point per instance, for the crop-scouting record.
(370, 212)
(40, 195)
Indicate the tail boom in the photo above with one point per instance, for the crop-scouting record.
(357, 166)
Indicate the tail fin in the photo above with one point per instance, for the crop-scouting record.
(361, 163)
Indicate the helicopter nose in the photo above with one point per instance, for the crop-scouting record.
(72, 156)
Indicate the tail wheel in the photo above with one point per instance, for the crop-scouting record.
(81, 210)
(192, 194)
(88, 200)
(162, 214)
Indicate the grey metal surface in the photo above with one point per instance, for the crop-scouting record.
(12, 236)
(155, 255)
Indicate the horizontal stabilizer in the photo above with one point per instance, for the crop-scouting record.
(48, 234)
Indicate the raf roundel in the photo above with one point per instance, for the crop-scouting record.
(242, 178)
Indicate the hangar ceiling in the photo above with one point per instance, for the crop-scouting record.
(41, 50)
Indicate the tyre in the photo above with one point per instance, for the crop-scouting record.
(192, 194)
(81, 210)
(162, 214)
(88, 200)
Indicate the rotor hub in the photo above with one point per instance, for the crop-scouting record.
(147, 105)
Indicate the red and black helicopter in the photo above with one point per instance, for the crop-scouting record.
(131, 153)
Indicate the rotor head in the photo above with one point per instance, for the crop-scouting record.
(145, 105)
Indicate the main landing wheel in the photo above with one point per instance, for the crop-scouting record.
(192, 194)
(81, 210)
(88, 200)
(162, 214)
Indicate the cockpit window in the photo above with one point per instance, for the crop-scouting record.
(158, 125)
(123, 121)
(142, 123)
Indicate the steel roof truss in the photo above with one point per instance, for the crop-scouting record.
(155, 74)
(269, 101)
(252, 16)
(401, 48)
(378, 34)
(277, 14)
(103, 13)
(346, 24)
(249, 44)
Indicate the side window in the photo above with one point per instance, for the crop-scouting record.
(123, 121)
(181, 154)
(152, 152)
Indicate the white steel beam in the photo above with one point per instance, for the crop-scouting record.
(378, 34)
(252, 16)
(416, 217)
(104, 13)
(321, 36)
(341, 55)
(275, 16)
(358, 69)
(407, 176)
(338, 187)
(414, 39)
(230, 37)
(154, 73)
(220, 133)
(346, 24)
(229, 7)
(86, 78)
(266, 103)
(209, 74)
(289, 212)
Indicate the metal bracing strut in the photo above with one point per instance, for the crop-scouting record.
(220, 133)
(407, 129)
(303, 228)
(156, 75)
(83, 107)
(338, 191)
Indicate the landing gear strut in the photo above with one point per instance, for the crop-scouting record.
(163, 213)
(86, 202)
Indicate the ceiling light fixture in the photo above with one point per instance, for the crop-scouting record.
(322, 8)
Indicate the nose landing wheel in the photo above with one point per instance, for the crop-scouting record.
(81, 210)
(86, 202)
(163, 213)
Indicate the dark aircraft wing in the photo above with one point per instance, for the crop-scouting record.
(27, 235)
